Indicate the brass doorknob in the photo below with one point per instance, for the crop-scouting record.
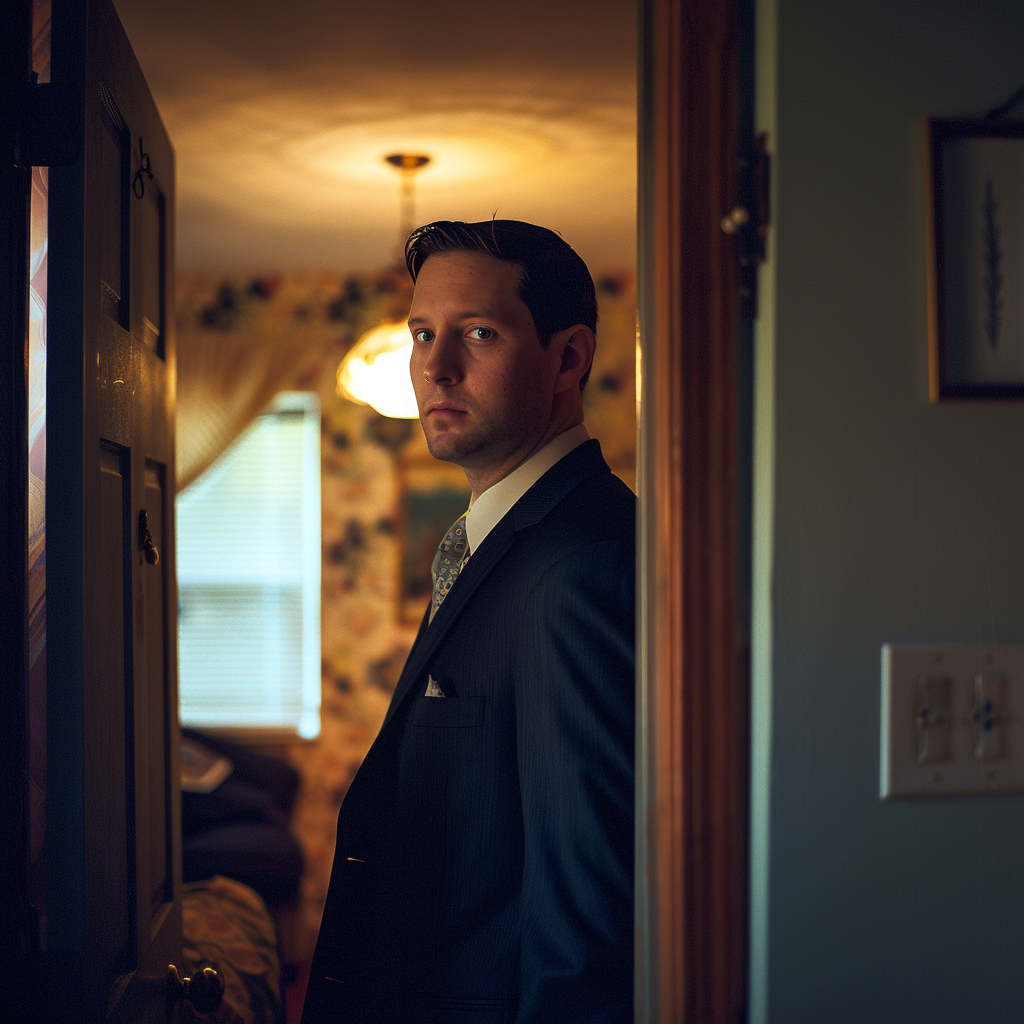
(203, 990)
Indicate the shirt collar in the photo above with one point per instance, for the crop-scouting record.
(488, 510)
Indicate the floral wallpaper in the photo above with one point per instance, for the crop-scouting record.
(365, 637)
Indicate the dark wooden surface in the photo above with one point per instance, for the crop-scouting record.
(693, 734)
(114, 874)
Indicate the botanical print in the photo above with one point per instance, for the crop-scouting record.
(982, 247)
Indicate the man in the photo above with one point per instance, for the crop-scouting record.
(484, 860)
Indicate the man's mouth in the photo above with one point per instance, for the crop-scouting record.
(442, 408)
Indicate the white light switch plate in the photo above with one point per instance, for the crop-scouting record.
(943, 729)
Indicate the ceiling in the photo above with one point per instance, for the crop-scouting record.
(281, 115)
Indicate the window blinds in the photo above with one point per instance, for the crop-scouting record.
(249, 580)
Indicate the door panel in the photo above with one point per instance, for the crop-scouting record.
(113, 158)
(148, 298)
(114, 887)
(153, 775)
(108, 806)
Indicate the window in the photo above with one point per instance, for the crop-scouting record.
(249, 580)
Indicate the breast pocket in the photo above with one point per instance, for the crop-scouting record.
(449, 712)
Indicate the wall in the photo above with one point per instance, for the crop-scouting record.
(878, 517)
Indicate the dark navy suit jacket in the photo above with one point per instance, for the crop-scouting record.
(483, 872)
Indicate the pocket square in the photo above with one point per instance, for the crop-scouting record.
(433, 690)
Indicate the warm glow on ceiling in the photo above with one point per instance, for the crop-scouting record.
(312, 168)
(280, 124)
(323, 173)
(465, 146)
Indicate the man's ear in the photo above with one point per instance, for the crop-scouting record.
(577, 345)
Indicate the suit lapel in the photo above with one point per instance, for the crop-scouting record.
(477, 569)
(581, 463)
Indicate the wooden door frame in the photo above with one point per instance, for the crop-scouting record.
(691, 735)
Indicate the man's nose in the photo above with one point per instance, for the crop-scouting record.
(443, 365)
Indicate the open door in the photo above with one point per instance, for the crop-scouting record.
(113, 798)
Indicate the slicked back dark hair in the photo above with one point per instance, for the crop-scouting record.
(554, 282)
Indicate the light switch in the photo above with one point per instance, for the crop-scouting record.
(952, 719)
(989, 716)
(934, 719)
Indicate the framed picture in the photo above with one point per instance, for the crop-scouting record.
(433, 495)
(976, 258)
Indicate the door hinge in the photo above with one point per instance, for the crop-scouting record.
(748, 220)
(49, 125)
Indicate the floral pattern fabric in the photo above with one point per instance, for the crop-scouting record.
(225, 925)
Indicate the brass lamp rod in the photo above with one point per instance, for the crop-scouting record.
(407, 164)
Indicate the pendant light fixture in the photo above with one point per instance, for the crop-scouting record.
(376, 370)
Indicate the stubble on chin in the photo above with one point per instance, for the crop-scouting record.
(446, 446)
(442, 449)
(468, 447)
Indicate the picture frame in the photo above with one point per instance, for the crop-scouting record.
(975, 186)
(433, 495)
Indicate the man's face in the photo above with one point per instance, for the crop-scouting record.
(484, 385)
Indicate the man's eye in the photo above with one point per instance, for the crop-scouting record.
(481, 333)
(422, 335)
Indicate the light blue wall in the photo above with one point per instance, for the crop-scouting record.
(878, 517)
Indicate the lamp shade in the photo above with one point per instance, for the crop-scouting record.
(376, 371)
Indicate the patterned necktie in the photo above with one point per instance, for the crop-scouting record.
(451, 553)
